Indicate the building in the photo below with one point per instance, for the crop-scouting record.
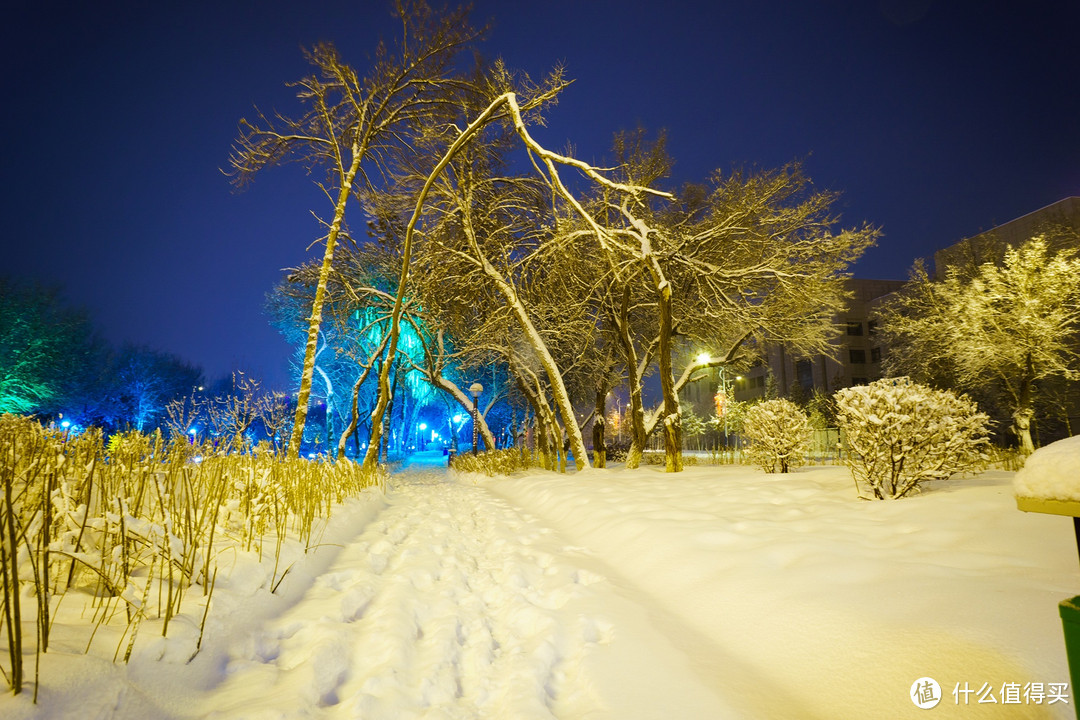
(855, 360)
(990, 246)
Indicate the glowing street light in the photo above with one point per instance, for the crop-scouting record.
(475, 389)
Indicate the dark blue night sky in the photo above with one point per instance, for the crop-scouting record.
(935, 119)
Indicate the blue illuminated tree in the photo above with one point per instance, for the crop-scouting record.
(144, 381)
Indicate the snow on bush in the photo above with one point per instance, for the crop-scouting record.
(1052, 472)
(779, 433)
(900, 433)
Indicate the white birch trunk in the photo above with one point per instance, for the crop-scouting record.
(304, 395)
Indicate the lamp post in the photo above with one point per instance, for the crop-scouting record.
(475, 389)
(723, 389)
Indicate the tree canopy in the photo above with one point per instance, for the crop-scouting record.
(1007, 327)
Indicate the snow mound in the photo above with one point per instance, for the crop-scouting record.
(1052, 472)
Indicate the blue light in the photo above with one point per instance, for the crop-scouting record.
(66, 424)
(192, 432)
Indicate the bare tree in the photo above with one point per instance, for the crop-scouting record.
(348, 127)
(231, 414)
(754, 258)
(274, 411)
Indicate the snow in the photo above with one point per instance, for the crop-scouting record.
(720, 592)
(1052, 472)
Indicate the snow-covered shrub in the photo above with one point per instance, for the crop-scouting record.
(652, 457)
(616, 450)
(779, 435)
(900, 433)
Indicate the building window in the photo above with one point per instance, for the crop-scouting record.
(857, 357)
(804, 374)
(871, 327)
(854, 328)
(875, 355)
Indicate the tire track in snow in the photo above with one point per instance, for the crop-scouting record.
(449, 604)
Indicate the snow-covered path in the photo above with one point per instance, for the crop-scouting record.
(451, 603)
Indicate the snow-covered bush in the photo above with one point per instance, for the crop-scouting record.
(651, 457)
(900, 433)
(616, 450)
(779, 435)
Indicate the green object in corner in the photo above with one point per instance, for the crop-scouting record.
(1070, 624)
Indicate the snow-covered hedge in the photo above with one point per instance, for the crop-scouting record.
(779, 434)
(492, 462)
(1052, 472)
(900, 433)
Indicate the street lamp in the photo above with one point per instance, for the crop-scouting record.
(420, 437)
(475, 389)
(723, 399)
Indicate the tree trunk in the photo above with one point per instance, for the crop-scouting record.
(638, 435)
(353, 423)
(329, 425)
(599, 451)
(672, 417)
(1024, 412)
(315, 320)
(355, 418)
(386, 438)
(541, 439)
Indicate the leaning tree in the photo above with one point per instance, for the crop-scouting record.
(348, 125)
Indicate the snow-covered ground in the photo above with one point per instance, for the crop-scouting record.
(719, 592)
